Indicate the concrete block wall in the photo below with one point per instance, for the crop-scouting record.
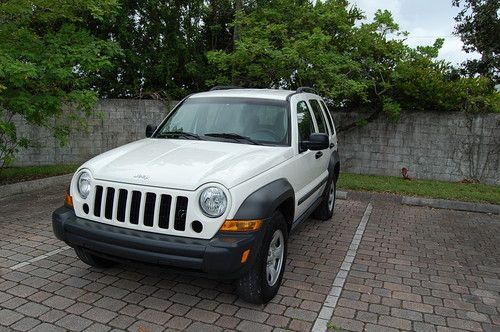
(432, 145)
(115, 122)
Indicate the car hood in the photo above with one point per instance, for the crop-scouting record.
(185, 164)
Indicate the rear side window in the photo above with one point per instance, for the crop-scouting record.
(318, 114)
(328, 116)
(304, 120)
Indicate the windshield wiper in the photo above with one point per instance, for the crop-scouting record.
(233, 136)
(179, 133)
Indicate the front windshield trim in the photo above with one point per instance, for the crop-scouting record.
(231, 99)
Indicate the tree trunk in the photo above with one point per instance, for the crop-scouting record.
(238, 5)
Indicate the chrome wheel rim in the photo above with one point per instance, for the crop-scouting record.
(331, 196)
(275, 257)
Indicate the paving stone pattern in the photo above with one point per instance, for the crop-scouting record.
(424, 270)
(415, 269)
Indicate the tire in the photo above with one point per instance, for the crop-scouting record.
(324, 211)
(258, 285)
(93, 260)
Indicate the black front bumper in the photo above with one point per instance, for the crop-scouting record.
(220, 255)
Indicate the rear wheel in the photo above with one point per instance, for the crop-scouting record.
(324, 211)
(262, 282)
(92, 260)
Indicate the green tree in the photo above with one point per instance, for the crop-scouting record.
(478, 25)
(355, 65)
(163, 49)
(46, 63)
(217, 30)
(421, 82)
(289, 44)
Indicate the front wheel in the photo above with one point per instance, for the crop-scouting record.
(261, 283)
(324, 211)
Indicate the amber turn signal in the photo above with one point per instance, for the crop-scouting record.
(244, 257)
(240, 225)
(68, 200)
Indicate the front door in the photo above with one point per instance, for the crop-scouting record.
(309, 164)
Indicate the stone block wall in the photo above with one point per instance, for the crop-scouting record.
(115, 122)
(432, 145)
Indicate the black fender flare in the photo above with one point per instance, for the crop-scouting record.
(262, 203)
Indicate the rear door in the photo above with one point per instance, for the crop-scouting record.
(323, 127)
(331, 125)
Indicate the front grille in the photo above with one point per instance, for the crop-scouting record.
(165, 203)
(97, 203)
(180, 213)
(140, 208)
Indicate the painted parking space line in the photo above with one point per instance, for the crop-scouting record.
(38, 258)
(321, 323)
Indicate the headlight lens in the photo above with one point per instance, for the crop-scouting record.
(84, 184)
(213, 202)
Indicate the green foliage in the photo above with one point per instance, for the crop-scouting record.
(423, 83)
(164, 44)
(478, 25)
(56, 56)
(391, 108)
(288, 44)
(47, 61)
(332, 326)
(362, 122)
(173, 48)
(294, 43)
(19, 174)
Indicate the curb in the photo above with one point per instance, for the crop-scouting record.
(451, 205)
(34, 185)
(341, 194)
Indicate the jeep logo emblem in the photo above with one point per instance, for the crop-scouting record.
(141, 176)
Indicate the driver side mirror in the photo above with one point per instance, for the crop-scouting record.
(150, 129)
(317, 141)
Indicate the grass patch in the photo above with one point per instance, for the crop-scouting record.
(20, 174)
(332, 326)
(471, 192)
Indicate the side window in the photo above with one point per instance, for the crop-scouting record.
(318, 114)
(328, 116)
(304, 120)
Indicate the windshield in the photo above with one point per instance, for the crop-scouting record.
(242, 120)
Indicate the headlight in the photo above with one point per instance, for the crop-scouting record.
(84, 184)
(213, 202)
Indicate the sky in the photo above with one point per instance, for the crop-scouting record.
(425, 20)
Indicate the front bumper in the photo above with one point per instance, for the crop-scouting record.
(219, 256)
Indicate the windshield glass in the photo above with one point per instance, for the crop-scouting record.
(243, 120)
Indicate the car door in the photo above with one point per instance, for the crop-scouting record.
(323, 127)
(309, 176)
(331, 125)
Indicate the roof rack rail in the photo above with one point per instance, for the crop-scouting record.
(306, 89)
(224, 87)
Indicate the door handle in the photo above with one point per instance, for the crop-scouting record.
(319, 154)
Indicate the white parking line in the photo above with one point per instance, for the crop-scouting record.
(35, 259)
(320, 325)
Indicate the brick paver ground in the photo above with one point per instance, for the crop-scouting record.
(416, 269)
(423, 269)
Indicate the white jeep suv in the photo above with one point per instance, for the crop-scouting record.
(217, 187)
